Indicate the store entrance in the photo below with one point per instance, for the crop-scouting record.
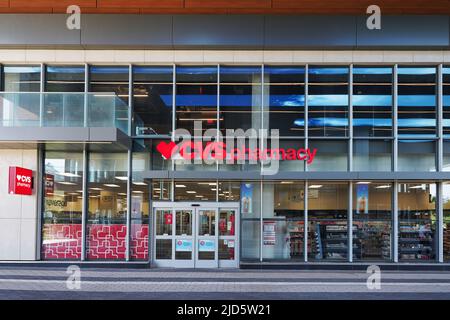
(192, 235)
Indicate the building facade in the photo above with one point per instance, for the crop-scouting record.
(363, 141)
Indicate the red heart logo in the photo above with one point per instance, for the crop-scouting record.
(166, 149)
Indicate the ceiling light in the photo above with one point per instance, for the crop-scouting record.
(416, 187)
(139, 183)
(112, 185)
(287, 182)
(66, 183)
(363, 182)
(315, 186)
(68, 174)
(180, 186)
(121, 194)
(96, 189)
(123, 178)
(138, 191)
(190, 191)
(385, 186)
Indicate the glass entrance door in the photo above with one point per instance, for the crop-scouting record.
(206, 255)
(195, 237)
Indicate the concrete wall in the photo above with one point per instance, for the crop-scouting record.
(18, 214)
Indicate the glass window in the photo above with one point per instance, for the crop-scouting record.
(229, 190)
(113, 79)
(283, 224)
(446, 222)
(446, 155)
(106, 222)
(240, 98)
(22, 78)
(195, 191)
(416, 155)
(284, 99)
(331, 155)
(65, 79)
(291, 155)
(61, 225)
(139, 237)
(372, 221)
(372, 155)
(162, 190)
(196, 97)
(152, 100)
(250, 216)
(417, 101)
(147, 157)
(446, 101)
(67, 109)
(328, 101)
(327, 221)
(372, 101)
(417, 221)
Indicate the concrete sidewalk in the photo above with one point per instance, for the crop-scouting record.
(51, 283)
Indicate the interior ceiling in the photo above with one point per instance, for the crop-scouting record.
(228, 6)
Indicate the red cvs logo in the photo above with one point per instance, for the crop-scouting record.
(166, 149)
(20, 181)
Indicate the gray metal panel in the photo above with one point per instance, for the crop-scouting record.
(310, 31)
(405, 31)
(218, 30)
(36, 30)
(43, 134)
(102, 134)
(238, 175)
(125, 30)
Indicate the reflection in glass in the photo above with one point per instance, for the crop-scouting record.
(446, 101)
(331, 155)
(240, 98)
(64, 110)
(416, 155)
(152, 94)
(372, 218)
(372, 101)
(284, 99)
(61, 225)
(417, 101)
(372, 155)
(65, 78)
(417, 221)
(328, 101)
(146, 156)
(21, 78)
(113, 79)
(196, 97)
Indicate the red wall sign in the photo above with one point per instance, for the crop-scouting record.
(20, 181)
(49, 184)
(167, 218)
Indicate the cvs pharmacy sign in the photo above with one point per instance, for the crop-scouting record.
(20, 181)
